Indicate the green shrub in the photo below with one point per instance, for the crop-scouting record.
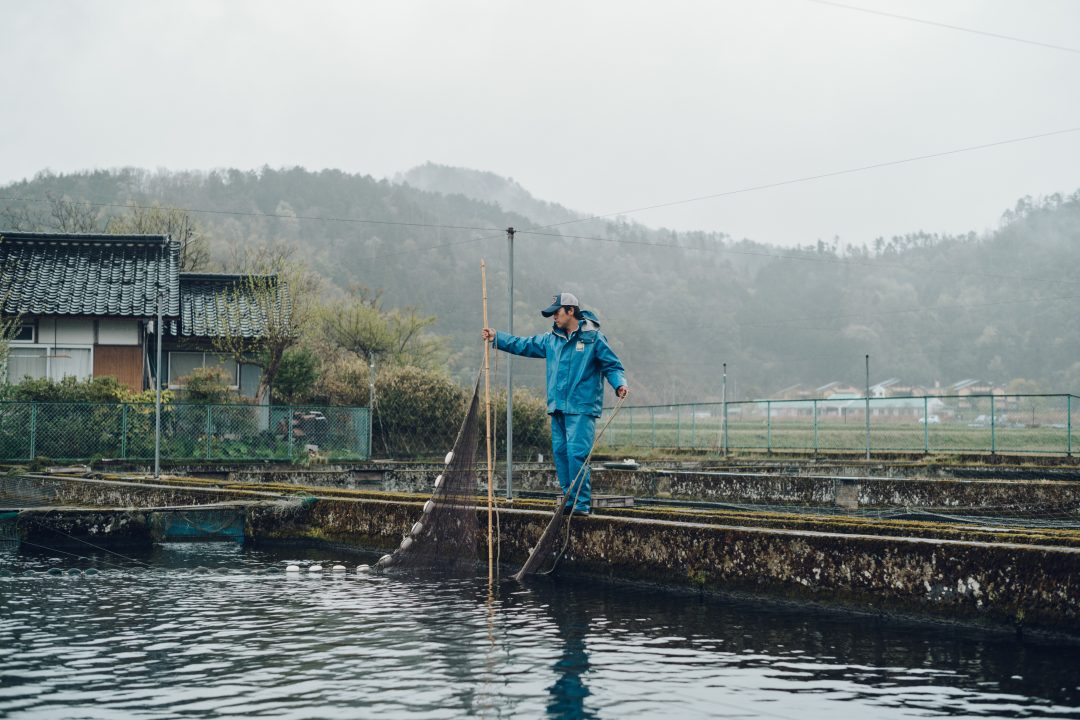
(208, 386)
(343, 380)
(69, 389)
(532, 426)
(296, 376)
(417, 412)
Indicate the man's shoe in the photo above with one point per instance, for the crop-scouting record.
(583, 513)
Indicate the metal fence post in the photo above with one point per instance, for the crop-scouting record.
(1068, 424)
(290, 430)
(693, 426)
(33, 431)
(209, 428)
(652, 432)
(123, 431)
(678, 427)
(768, 423)
(926, 425)
(816, 446)
(868, 427)
(725, 421)
(993, 428)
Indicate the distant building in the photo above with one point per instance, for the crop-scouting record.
(838, 388)
(88, 304)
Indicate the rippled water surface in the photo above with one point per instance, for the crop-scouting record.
(203, 630)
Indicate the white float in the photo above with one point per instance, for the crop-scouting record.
(429, 506)
(315, 568)
(417, 528)
(385, 560)
(361, 569)
(339, 568)
(438, 482)
(449, 457)
(406, 543)
(293, 568)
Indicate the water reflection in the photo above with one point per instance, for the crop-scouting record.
(197, 630)
(571, 619)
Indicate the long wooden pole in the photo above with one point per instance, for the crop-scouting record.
(487, 423)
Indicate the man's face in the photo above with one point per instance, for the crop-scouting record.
(562, 318)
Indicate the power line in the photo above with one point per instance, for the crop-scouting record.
(875, 264)
(947, 26)
(432, 247)
(904, 311)
(818, 176)
(270, 216)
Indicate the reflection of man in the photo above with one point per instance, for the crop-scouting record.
(578, 360)
(568, 693)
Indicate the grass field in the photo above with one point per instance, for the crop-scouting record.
(689, 430)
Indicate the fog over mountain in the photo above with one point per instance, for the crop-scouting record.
(928, 308)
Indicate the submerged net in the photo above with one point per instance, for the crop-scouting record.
(9, 531)
(444, 538)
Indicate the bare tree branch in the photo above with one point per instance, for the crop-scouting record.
(71, 217)
(175, 222)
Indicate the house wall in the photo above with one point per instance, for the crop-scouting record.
(117, 331)
(123, 362)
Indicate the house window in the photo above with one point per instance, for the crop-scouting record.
(182, 364)
(26, 363)
(25, 333)
(49, 362)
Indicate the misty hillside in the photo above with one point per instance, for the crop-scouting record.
(927, 308)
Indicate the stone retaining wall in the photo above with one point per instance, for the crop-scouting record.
(998, 583)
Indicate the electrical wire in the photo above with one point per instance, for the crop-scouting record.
(947, 26)
(875, 264)
(270, 216)
(810, 178)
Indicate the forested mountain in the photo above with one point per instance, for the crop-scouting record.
(927, 308)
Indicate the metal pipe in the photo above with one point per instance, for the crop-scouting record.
(723, 415)
(510, 371)
(868, 407)
(158, 332)
(371, 405)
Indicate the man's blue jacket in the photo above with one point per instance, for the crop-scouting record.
(576, 365)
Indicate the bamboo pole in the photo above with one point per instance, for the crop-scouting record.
(487, 423)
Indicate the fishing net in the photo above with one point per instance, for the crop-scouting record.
(9, 531)
(444, 537)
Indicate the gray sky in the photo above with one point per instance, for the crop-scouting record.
(601, 106)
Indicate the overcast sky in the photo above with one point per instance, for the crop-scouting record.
(601, 106)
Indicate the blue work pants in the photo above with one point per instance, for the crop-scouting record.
(571, 443)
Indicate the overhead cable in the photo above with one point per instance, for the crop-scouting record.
(947, 26)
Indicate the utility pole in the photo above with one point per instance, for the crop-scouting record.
(510, 370)
(723, 416)
(159, 331)
(868, 406)
(371, 405)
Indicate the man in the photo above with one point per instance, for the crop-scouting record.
(578, 360)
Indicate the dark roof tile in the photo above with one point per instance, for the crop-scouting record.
(204, 296)
(87, 274)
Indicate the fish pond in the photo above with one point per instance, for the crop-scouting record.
(222, 631)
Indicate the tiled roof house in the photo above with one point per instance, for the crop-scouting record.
(88, 304)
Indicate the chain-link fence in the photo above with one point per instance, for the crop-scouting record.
(67, 431)
(927, 424)
(70, 431)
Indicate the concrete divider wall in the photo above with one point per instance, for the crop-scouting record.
(997, 583)
(1000, 583)
(780, 487)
